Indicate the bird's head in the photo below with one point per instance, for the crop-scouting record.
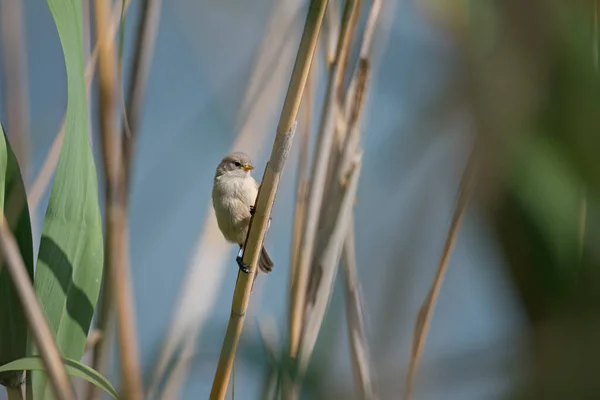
(235, 164)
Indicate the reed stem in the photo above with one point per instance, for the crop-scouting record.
(266, 195)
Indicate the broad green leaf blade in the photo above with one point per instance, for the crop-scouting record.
(69, 268)
(74, 368)
(13, 203)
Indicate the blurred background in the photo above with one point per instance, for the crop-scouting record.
(517, 314)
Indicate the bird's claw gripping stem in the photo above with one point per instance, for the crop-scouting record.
(252, 210)
(243, 267)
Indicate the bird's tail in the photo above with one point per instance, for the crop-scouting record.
(264, 262)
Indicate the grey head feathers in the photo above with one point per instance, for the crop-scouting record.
(237, 163)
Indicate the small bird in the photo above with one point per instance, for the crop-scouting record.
(233, 195)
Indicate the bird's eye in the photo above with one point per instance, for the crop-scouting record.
(237, 164)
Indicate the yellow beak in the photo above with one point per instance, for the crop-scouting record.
(247, 167)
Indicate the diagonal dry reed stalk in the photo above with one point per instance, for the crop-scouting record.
(328, 263)
(36, 320)
(361, 364)
(116, 242)
(206, 270)
(266, 194)
(426, 311)
(354, 318)
(318, 179)
(42, 179)
(323, 273)
(301, 180)
(147, 31)
(343, 153)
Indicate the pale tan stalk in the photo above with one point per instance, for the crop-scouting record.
(361, 364)
(144, 48)
(426, 311)
(254, 241)
(38, 326)
(331, 30)
(318, 179)
(342, 158)
(323, 273)
(210, 260)
(116, 242)
(42, 179)
(266, 195)
(328, 264)
(140, 70)
(301, 181)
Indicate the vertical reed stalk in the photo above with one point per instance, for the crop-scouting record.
(144, 48)
(38, 326)
(328, 262)
(301, 182)
(361, 365)
(116, 242)
(340, 190)
(331, 27)
(266, 195)
(318, 179)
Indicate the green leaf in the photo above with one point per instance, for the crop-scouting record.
(13, 203)
(69, 267)
(74, 368)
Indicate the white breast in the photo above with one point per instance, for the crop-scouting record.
(232, 198)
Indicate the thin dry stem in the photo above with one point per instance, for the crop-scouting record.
(207, 266)
(423, 320)
(328, 264)
(361, 365)
(323, 273)
(42, 179)
(364, 56)
(15, 79)
(38, 326)
(318, 179)
(301, 181)
(342, 160)
(254, 241)
(116, 245)
(140, 70)
(266, 194)
(331, 28)
(145, 39)
(349, 20)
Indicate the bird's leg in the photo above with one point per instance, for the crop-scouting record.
(243, 267)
